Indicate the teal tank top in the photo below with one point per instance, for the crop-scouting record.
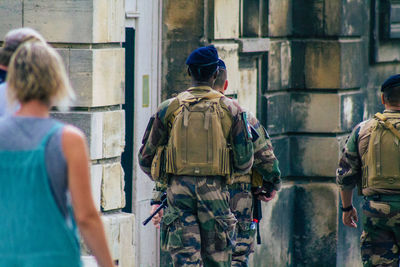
(33, 231)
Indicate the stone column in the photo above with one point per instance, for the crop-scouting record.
(312, 101)
(88, 35)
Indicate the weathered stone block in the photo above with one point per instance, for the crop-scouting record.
(308, 18)
(328, 64)
(119, 229)
(314, 156)
(247, 90)
(348, 248)
(332, 17)
(254, 45)
(298, 63)
(127, 229)
(10, 16)
(315, 224)
(226, 24)
(277, 231)
(97, 75)
(279, 65)
(105, 131)
(89, 261)
(175, 78)
(352, 108)
(282, 153)
(351, 64)
(314, 112)
(353, 17)
(276, 115)
(320, 18)
(96, 175)
(113, 133)
(297, 228)
(251, 19)
(109, 21)
(322, 65)
(386, 52)
(112, 187)
(329, 113)
(229, 54)
(280, 18)
(81, 21)
(183, 20)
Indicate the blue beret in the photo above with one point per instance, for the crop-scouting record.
(391, 82)
(221, 64)
(203, 56)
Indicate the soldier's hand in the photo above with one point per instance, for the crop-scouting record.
(350, 218)
(266, 198)
(157, 218)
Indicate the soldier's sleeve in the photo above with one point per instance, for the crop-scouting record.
(265, 161)
(349, 172)
(241, 141)
(156, 134)
(159, 189)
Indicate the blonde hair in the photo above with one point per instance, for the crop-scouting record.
(14, 39)
(36, 72)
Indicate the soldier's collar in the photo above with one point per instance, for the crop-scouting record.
(200, 88)
(391, 111)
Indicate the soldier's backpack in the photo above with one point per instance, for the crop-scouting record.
(381, 162)
(198, 144)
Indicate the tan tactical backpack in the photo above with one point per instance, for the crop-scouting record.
(198, 144)
(381, 162)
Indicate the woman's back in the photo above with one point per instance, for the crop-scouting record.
(34, 232)
(25, 133)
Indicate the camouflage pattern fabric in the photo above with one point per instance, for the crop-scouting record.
(198, 227)
(380, 240)
(349, 173)
(241, 204)
(265, 161)
(241, 201)
(381, 235)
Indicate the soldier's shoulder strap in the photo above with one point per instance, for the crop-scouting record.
(384, 121)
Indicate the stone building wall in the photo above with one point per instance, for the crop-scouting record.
(310, 70)
(88, 35)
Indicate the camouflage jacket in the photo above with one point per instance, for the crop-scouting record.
(157, 133)
(265, 161)
(349, 173)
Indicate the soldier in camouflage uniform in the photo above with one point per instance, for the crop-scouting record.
(371, 160)
(198, 227)
(240, 189)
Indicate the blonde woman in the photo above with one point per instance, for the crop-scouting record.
(12, 41)
(44, 170)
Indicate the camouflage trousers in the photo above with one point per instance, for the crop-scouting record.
(198, 227)
(241, 204)
(380, 239)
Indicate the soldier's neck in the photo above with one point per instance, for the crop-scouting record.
(390, 107)
(219, 89)
(202, 83)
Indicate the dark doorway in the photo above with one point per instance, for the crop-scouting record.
(128, 157)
